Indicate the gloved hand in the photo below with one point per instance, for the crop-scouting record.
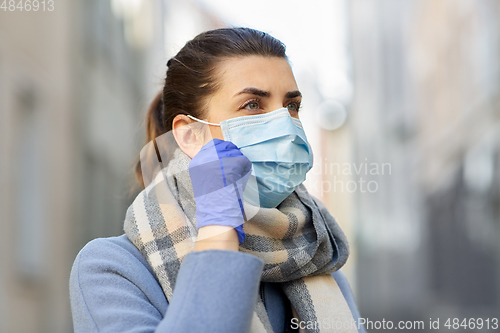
(219, 173)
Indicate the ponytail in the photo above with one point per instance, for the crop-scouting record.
(154, 118)
(154, 127)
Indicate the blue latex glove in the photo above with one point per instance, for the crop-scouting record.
(219, 174)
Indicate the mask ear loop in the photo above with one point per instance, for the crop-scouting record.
(202, 121)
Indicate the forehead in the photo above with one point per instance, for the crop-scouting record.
(266, 73)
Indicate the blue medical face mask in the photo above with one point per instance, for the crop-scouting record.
(277, 146)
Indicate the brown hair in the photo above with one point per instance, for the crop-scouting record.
(191, 75)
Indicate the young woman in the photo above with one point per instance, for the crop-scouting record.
(224, 237)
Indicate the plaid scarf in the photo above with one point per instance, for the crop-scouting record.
(299, 241)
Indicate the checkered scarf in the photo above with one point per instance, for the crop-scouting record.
(299, 241)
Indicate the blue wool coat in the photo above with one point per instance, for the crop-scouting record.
(113, 289)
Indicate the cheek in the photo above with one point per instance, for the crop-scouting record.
(216, 132)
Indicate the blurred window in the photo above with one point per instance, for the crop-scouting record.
(30, 192)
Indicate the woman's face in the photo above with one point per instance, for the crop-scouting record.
(247, 85)
(252, 85)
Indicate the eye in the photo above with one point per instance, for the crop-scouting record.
(293, 106)
(253, 104)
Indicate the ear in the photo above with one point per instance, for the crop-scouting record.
(190, 135)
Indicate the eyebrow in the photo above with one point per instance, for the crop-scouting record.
(254, 91)
(293, 94)
(262, 93)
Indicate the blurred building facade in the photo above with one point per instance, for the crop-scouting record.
(73, 86)
(427, 90)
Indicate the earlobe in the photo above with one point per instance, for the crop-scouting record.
(190, 136)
